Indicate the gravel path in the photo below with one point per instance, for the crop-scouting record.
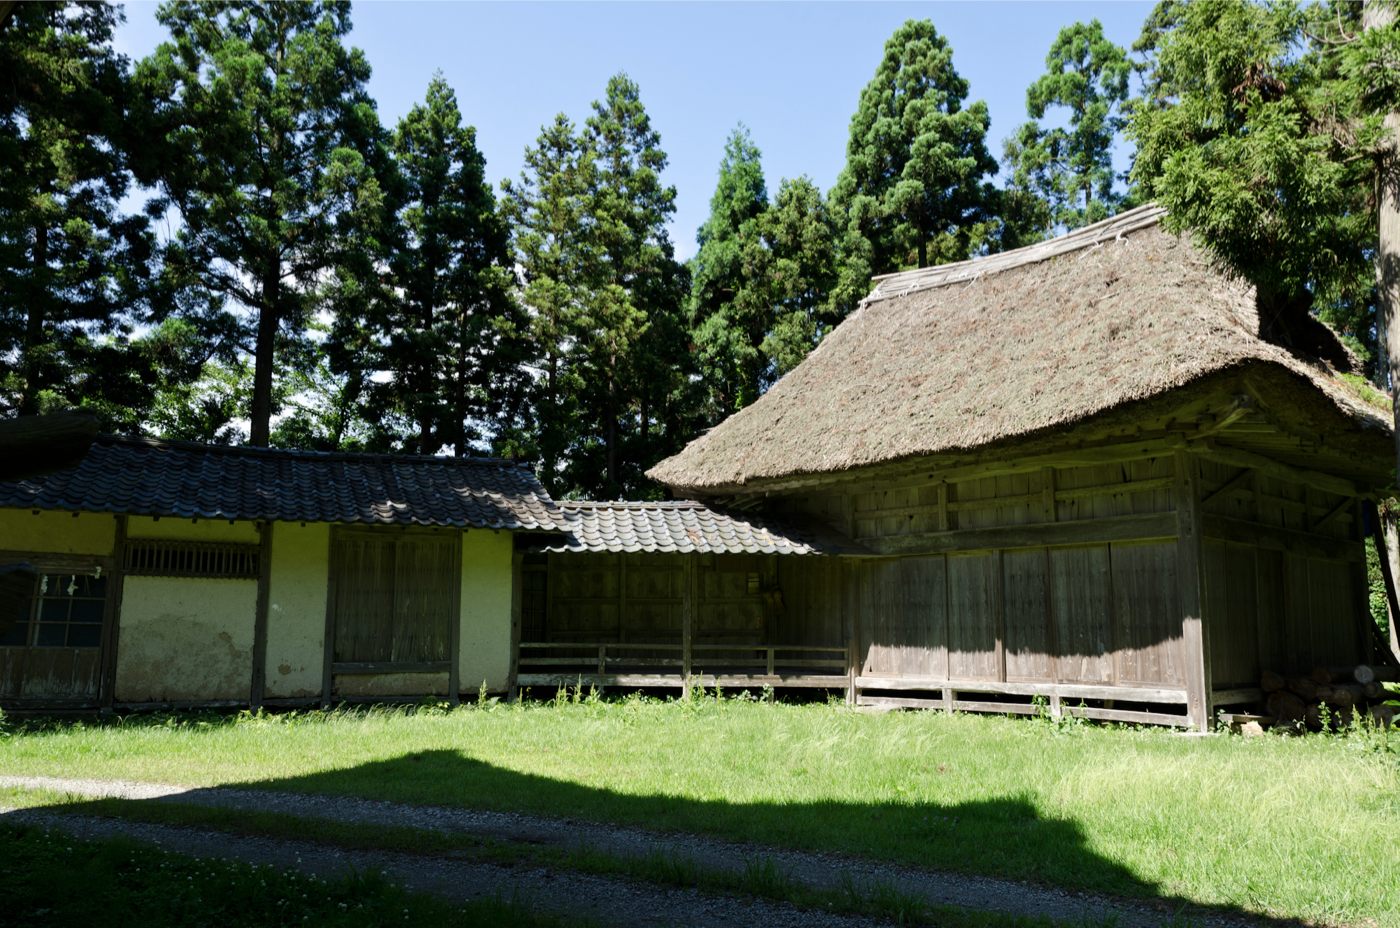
(613, 901)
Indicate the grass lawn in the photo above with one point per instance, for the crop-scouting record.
(53, 880)
(1286, 827)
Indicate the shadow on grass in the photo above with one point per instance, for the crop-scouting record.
(1005, 837)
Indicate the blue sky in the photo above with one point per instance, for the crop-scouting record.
(791, 71)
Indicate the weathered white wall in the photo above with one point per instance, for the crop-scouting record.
(486, 610)
(296, 612)
(185, 639)
(57, 532)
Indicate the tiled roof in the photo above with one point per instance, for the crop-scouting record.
(184, 479)
(684, 527)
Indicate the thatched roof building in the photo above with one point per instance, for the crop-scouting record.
(1082, 473)
(1014, 347)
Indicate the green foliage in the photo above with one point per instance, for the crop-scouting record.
(78, 277)
(603, 295)
(912, 189)
(760, 281)
(445, 328)
(1246, 133)
(1071, 167)
(263, 139)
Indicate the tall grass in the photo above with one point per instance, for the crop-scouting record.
(1288, 827)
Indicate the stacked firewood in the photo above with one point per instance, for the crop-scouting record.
(1330, 696)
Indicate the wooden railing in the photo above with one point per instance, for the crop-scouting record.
(538, 657)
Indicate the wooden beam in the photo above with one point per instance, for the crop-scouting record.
(1237, 457)
(1155, 526)
(1228, 486)
(1195, 639)
(1387, 574)
(111, 615)
(384, 667)
(258, 684)
(1277, 538)
(1170, 695)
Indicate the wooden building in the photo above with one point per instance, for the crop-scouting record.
(1074, 473)
(150, 573)
(1073, 476)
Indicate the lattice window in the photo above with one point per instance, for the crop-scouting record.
(219, 560)
(61, 610)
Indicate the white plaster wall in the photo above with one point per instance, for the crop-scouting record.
(57, 532)
(191, 529)
(486, 610)
(296, 613)
(185, 639)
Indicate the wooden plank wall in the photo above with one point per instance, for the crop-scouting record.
(998, 605)
(1087, 614)
(639, 598)
(1284, 575)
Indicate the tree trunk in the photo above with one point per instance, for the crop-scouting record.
(260, 425)
(1379, 14)
(34, 324)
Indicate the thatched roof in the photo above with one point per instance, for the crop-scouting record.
(958, 357)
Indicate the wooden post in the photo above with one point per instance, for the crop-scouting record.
(517, 617)
(688, 597)
(328, 636)
(258, 685)
(454, 630)
(1387, 574)
(111, 624)
(1195, 636)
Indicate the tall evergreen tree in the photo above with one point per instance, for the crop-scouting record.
(446, 328)
(548, 213)
(730, 305)
(1071, 166)
(76, 274)
(1246, 134)
(268, 143)
(913, 185)
(634, 350)
(802, 272)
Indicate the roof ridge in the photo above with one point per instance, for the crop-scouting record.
(630, 504)
(901, 283)
(179, 444)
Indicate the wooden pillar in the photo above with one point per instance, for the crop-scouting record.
(517, 617)
(1195, 636)
(846, 575)
(689, 585)
(454, 630)
(111, 624)
(258, 684)
(328, 637)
